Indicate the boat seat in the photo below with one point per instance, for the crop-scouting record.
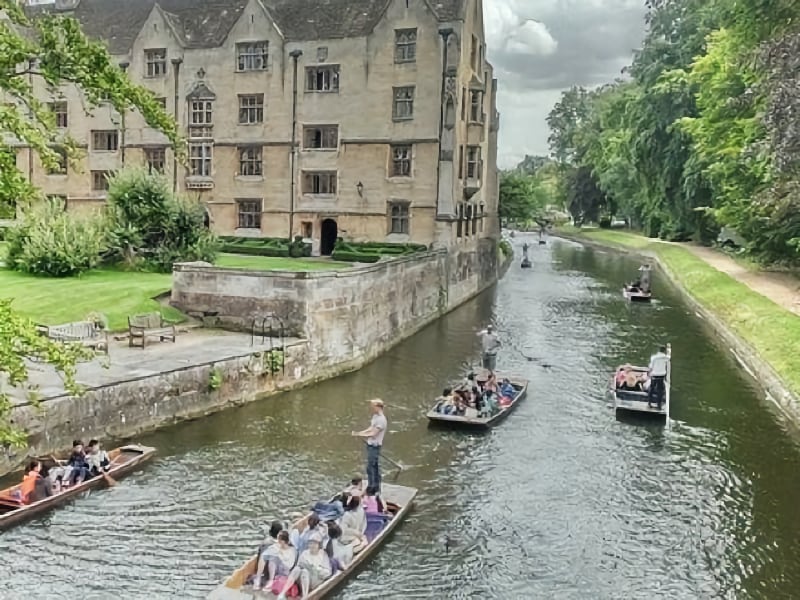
(8, 501)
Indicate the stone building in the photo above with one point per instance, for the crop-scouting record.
(364, 119)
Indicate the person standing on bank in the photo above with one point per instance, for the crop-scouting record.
(490, 344)
(373, 436)
(659, 363)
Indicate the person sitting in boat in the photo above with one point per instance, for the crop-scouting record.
(97, 458)
(279, 560)
(490, 405)
(491, 383)
(307, 527)
(34, 486)
(268, 548)
(445, 403)
(507, 389)
(621, 376)
(78, 464)
(631, 383)
(354, 524)
(312, 570)
(356, 487)
(341, 555)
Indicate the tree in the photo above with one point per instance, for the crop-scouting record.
(523, 198)
(52, 50)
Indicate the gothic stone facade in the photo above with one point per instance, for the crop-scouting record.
(364, 119)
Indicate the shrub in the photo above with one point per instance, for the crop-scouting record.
(505, 248)
(605, 222)
(151, 226)
(351, 256)
(53, 242)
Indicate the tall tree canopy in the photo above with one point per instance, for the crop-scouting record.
(53, 50)
(703, 133)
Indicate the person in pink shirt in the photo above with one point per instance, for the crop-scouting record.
(371, 502)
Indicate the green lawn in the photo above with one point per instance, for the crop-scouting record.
(118, 294)
(771, 330)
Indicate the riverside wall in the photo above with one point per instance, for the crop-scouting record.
(349, 317)
(337, 321)
(776, 390)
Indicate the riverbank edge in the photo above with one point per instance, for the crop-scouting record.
(124, 409)
(775, 388)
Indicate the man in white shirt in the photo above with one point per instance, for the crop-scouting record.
(490, 344)
(659, 363)
(373, 435)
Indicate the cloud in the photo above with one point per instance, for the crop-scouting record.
(540, 47)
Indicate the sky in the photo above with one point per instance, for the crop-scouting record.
(541, 47)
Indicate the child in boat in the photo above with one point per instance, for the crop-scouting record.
(77, 460)
(279, 561)
(313, 568)
(96, 458)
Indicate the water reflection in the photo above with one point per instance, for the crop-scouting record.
(562, 501)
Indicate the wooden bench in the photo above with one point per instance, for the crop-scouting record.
(86, 333)
(141, 327)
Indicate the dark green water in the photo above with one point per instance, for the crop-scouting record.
(561, 501)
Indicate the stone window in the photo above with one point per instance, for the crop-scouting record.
(322, 183)
(399, 217)
(252, 56)
(105, 141)
(474, 162)
(249, 213)
(251, 163)
(401, 160)
(251, 109)
(463, 104)
(476, 107)
(156, 159)
(323, 78)
(60, 168)
(405, 45)
(403, 108)
(201, 112)
(321, 137)
(59, 110)
(100, 181)
(155, 60)
(473, 55)
(200, 154)
(461, 162)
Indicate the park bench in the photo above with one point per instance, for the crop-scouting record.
(86, 333)
(149, 325)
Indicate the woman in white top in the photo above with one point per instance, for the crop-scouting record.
(313, 568)
(354, 524)
(280, 560)
(341, 554)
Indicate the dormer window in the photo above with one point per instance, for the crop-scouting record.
(252, 56)
(155, 60)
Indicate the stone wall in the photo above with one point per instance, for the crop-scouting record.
(348, 316)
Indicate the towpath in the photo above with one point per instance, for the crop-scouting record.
(782, 288)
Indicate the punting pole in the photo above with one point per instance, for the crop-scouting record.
(669, 380)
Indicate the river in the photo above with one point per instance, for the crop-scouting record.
(562, 501)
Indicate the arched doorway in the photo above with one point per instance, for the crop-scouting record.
(328, 235)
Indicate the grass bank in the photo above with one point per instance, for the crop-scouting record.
(119, 294)
(772, 331)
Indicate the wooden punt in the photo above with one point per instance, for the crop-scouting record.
(626, 401)
(633, 294)
(398, 499)
(123, 460)
(520, 385)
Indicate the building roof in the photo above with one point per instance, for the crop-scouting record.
(206, 23)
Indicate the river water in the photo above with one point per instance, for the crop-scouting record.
(562, 501)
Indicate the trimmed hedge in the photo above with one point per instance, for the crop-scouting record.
(275, 247)
(372, 252)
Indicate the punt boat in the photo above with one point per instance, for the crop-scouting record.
(634, 294)
(398, 500)
(630, 402)
(521, 387)
(123, 461)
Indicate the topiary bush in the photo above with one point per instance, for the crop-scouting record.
(50, 241)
